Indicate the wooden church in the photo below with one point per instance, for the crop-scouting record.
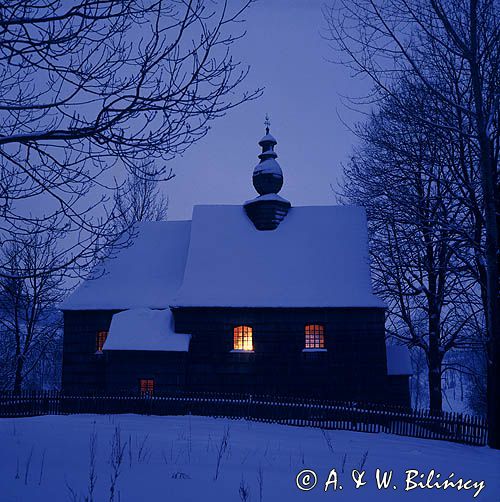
(261, 298)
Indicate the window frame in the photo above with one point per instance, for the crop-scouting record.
(98, 345)
(244, 334)
(314, 340)
(147, 391)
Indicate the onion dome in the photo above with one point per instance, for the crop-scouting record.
(267, 175)
(269, 209)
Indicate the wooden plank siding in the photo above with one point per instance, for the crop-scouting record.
(82, 369)
(354, 366)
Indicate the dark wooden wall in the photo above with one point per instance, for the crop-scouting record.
(353, 368)
(399, 389)
(124, 369)
(83, 369)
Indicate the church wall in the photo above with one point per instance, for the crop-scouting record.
(353, 368)
(83, 369)
(399, 386)
(124, 369)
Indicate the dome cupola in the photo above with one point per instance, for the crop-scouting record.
(269, 209)
(267, 175)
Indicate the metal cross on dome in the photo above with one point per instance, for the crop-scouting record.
(267, 123)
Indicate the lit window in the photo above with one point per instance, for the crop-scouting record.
(100, 339)
(243, 338)
(315, 336)
(146, 386)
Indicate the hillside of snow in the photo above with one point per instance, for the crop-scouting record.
(186, 459)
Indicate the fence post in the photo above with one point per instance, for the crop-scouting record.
(249, 404)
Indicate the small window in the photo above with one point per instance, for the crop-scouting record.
(100, 339)
(147, 386)
(315, 336)
(243, 339)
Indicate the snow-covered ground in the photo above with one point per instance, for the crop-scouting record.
(175, 459)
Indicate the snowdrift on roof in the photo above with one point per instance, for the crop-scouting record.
(148, 273)
(317, 257)
(145, 329)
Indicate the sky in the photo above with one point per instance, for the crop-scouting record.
(303, 96)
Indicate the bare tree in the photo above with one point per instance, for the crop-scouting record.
(29, 323)
(387, 39)
(402, 178)
(95, 84)
(141, 198)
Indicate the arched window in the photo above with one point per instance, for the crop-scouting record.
(243, 338)
(315, 336)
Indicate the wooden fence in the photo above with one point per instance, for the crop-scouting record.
(360, 417)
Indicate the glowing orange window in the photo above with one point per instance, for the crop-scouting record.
(315, 336)
(146, 385)
(100, 339)
(243, 339)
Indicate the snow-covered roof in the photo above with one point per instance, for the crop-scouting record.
(145, 329)
(147, 273)
(398, 360)
(317, 257)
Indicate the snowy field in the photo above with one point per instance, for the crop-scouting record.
(179, 459)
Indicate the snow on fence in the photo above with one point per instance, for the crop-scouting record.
(360, 417)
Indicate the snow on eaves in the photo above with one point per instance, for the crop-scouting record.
(145, 329)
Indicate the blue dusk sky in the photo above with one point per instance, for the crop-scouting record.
(303, 96)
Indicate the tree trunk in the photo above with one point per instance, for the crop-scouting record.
(488, 171)
(18, 381)
(488, 182)
(435, 357)
(492, 312)
(435, 361)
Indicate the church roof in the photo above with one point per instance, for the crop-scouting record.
(147, 273)
(317, 257)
